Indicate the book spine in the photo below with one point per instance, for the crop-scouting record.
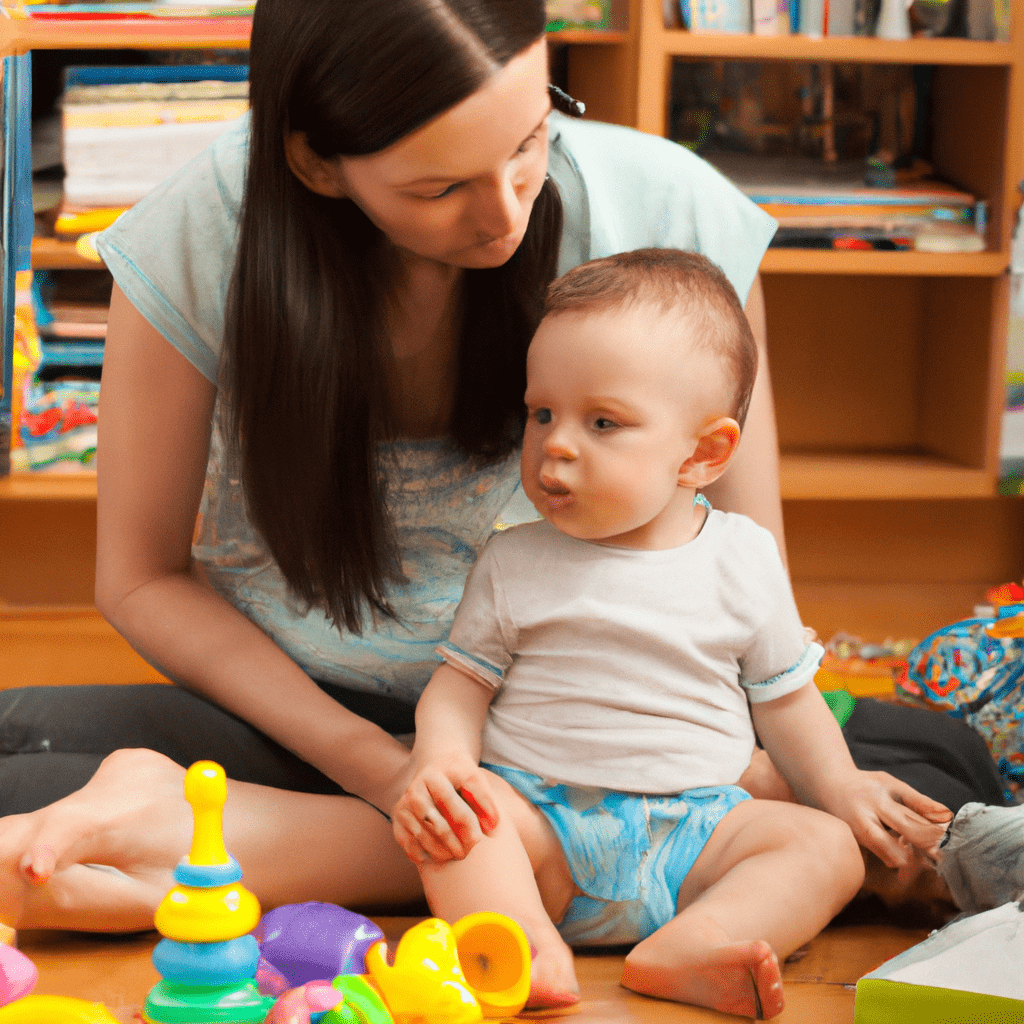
(732, 16)
(770, 17)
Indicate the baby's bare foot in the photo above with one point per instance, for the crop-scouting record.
(553, 984)
(743, 978)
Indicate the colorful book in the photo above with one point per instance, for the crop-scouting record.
(733, 16)
(815, 202)
(126, 9)
(969, 970)
(126, 128)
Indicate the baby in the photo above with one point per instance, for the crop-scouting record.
(576, 750)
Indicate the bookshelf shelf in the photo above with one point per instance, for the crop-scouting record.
(852, 49)
(589, 37)
(19, 487)
(57, 254)
(879, 477)
(19, 35)
(916, 264)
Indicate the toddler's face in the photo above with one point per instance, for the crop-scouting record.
(616, 401)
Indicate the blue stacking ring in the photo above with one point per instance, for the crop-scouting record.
(207, 876)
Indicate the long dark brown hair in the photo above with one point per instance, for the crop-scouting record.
(305, 352)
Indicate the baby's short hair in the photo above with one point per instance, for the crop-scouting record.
(677, 282)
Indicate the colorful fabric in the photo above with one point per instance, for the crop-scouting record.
(971, 672)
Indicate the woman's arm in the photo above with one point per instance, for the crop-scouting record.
(751, 483)
(155, 420)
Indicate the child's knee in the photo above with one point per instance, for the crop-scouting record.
(837, 851)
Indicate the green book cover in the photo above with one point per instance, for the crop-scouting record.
(965, 973)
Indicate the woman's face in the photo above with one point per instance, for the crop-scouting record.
(459, 190)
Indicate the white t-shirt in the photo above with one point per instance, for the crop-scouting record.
(629, 670)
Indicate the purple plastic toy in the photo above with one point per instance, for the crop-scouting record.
(303, 942)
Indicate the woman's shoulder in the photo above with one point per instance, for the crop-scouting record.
(172, 253)
(623, 189)
(212, 183)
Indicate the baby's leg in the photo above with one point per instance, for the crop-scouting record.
(769, 879)
(517, 870)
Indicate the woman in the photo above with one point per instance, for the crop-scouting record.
(318, 330)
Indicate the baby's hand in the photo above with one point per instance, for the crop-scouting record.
(890, 818)
(444, 812)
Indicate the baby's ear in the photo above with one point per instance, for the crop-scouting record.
(716, 445)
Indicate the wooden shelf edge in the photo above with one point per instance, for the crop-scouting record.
(18, 35)
(56, 645)
(847, 49)
(905, 264)
(59, 254)
(880, 477)
(589, 37)
(22, 35)
(80, 486)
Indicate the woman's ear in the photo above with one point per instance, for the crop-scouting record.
(716, 445)
(317, 173)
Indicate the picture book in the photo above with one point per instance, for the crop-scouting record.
(968, 970)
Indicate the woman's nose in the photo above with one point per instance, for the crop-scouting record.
(500, 209)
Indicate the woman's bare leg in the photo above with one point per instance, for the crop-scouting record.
(769, 879)
(132, 816)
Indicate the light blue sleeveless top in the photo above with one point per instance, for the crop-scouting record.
(172, 255)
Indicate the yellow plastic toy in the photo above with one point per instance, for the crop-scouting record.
(55, 1010)
(425, 983)
(495, 958)
(207, 959)
(196, 910)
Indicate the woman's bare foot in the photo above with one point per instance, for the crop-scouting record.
(743, 978)
(102, 858)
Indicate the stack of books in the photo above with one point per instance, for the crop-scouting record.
(126, 128)
(63, 10)
(821, 205)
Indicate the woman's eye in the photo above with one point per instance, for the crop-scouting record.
(447, 192)
(526, 145)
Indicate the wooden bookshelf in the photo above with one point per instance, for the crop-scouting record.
(887, 366)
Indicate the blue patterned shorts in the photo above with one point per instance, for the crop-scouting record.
(627, 852)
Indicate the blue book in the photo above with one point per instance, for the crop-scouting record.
(132, 73)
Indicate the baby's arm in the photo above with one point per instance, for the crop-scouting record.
(804, 740)
(447, 804)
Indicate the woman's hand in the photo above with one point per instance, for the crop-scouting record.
(888, 817)
(445, 810)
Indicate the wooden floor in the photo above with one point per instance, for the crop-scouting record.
(819, 985)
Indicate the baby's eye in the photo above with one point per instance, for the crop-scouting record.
(542, 416)
(603, 423)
